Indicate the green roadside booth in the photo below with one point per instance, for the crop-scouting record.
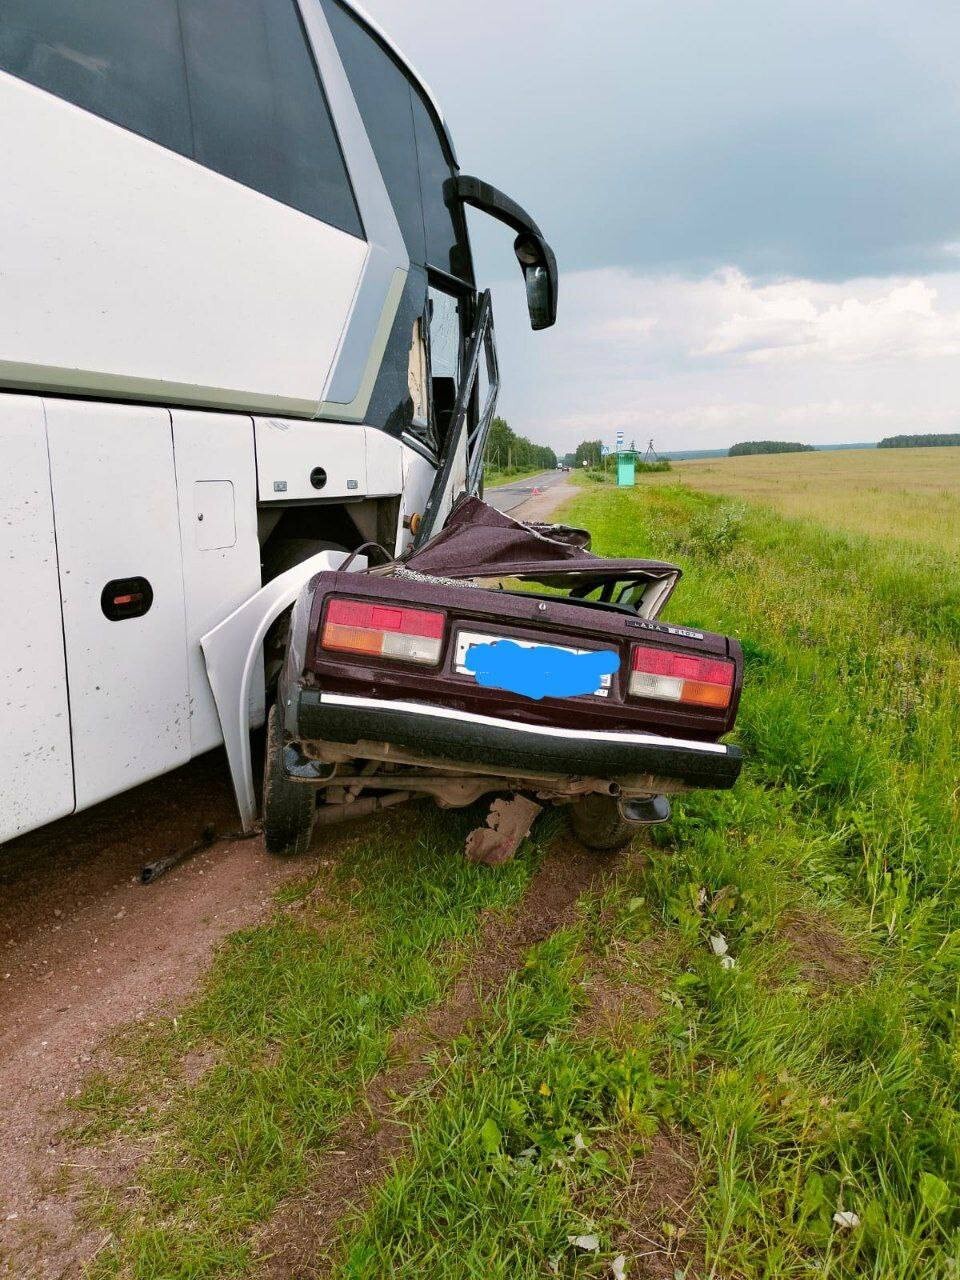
(626, 468)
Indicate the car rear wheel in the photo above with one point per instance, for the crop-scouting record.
(289, 807)
(597, 823)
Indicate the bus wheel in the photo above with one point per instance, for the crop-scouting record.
(288, 807)
(598, 824)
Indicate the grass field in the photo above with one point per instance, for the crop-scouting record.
(618, 1102)
(907, 494)
(492, 477)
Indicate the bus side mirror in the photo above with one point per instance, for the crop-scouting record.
(536, 258)
(539, 268)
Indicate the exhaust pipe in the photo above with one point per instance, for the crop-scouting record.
(646, 810)
(328, 815)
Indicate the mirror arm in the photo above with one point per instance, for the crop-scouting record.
(532, 250)
(481, 195)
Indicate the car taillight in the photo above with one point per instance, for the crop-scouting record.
(681, 677)
(390, 631)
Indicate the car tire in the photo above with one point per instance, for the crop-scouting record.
(597, 823)
(288, 807)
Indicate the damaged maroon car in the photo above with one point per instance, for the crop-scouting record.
(499, 659)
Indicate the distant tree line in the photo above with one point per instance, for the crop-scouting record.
(589, 452)
(506, 451)
(767, 446)
(918, 442)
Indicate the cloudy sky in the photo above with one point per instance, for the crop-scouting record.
(755, 205)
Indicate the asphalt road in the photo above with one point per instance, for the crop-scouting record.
(507, 496)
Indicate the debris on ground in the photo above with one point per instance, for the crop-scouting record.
(589, 1243)
(846, 1219)
(719, 947)
(508, 822)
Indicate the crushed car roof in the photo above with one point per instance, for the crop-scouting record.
(480, 542)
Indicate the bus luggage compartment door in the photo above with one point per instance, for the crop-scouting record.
(36, 773)
(217, 486)
(118, 533)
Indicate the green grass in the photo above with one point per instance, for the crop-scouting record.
(805, 1102)
(534, 1132)
(607, 473)
(501, 1165)
(294, 1019)
(803, 1083)
(803, 1098)
(492, 477)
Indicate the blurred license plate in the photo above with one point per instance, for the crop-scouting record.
(465, 639)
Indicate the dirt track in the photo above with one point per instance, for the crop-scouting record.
(86, 949)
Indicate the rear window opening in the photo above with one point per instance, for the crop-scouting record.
(624, 597)
(609, 606)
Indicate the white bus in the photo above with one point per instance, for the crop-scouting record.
(240, 336)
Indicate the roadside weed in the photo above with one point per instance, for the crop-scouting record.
(741, 1058)
(812, 1095)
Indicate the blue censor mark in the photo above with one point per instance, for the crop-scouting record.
(539, 671)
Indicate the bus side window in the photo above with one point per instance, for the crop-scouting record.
(444, 229)
(259, 112)
(237, 91)
(382, 93)
(120, 59)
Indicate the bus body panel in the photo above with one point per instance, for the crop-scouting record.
(115, 498)
(356, 461)
(167, 333)
(35, 756)
(385, 465)
(135, 491)
(303, 461)
(217, 493)
(131, 272)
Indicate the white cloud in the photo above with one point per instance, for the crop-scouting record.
(800, 319)
(705, 362)
(626, 327)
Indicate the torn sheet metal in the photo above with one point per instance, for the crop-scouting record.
(479, 542)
